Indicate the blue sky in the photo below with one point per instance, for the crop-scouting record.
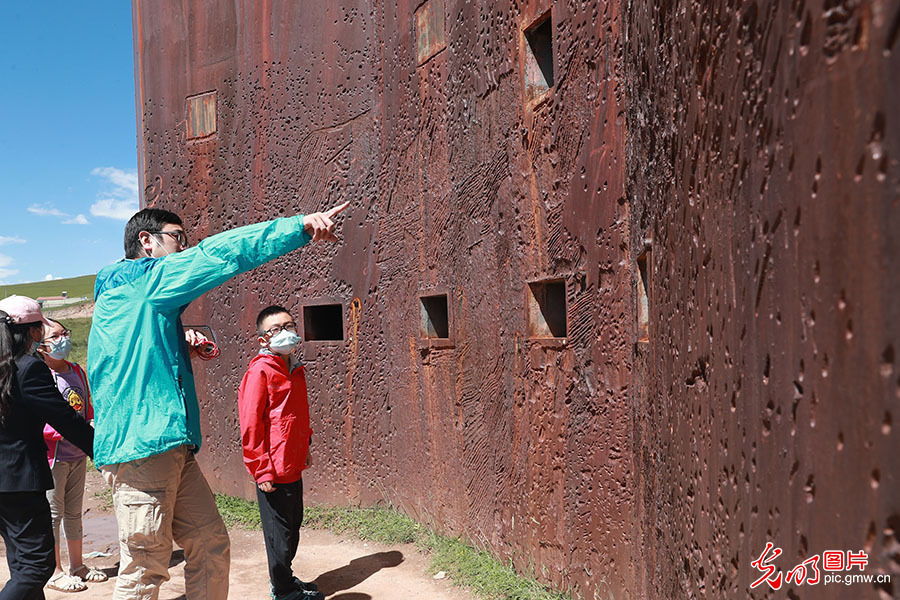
(68, 141)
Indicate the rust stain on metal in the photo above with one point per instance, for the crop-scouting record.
(717, 187)
(430, 37)
(201, 115)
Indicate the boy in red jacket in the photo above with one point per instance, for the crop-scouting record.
(275, 436)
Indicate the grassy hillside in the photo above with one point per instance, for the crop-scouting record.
(80, 329)
(76, 286)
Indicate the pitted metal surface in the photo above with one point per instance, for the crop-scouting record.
(762, 164)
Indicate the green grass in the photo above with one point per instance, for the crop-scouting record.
(376, 524)
(105, 496)
(75, 286)
(80, 329)
(468, 566)
(483, 573)
(237, 512)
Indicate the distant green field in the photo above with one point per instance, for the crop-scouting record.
(75, 286)
(80, 329)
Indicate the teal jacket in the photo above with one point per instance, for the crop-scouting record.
(139, 368)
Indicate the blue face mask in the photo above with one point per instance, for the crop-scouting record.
(284, 342)
(60, 350)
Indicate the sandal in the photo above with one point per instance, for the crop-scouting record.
(86, 573)
(66, 583)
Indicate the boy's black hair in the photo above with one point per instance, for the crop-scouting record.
(150, 220)
(268, 312)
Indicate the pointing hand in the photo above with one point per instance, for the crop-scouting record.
(320, 225)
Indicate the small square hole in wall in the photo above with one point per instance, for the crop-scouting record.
(435, 319)
(547, 309)
(323, 322)
(644, 263)
(539, 57)
(201, 115)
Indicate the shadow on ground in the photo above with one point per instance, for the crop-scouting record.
(355, 573)
(111, 571)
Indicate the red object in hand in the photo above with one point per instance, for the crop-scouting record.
(206, 350)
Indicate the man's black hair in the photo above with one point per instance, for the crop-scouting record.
(268, 312)
(149, 219)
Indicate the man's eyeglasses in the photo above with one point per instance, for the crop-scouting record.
(276, 329)
(57, 336)
(180, 236)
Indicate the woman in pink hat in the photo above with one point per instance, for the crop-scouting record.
(67, 462)
(28, 400)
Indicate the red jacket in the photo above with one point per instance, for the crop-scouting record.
(274, 415)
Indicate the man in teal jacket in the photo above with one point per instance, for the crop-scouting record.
(146, 414)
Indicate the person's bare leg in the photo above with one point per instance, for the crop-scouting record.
(58, 559)
(76, 559)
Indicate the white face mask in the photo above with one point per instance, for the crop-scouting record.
(284, 342)
(60, 350)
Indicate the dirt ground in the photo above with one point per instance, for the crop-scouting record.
(72, 312)
(344, 569)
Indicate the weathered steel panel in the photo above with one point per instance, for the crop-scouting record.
(459, 187)
(762, 162)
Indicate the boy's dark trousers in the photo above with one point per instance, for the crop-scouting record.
(281, 514)
(26, 528)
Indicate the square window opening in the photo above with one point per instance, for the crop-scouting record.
(539, 57)
(547, 309)
(435, 319)
(323, 322)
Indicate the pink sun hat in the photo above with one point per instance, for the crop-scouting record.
(22, 309)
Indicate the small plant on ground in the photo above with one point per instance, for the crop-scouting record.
(105, 496)
(237, 512)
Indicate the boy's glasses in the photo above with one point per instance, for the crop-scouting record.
(57, 336)
(180, 236)
(276, 329)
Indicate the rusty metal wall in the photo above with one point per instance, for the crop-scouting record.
(466, 179)
(735, 161)
(763, 164)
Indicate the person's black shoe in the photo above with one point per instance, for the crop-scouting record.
(298, 594)
(304, 586)
(292, 595)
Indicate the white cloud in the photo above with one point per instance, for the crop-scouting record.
(114, 209)
(126, 181)
(48, 277)
(78, 219)
(121, 201)
(46, 210)
(5, 239)
(5, 262)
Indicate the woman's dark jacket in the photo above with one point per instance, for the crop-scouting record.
(36, 401)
